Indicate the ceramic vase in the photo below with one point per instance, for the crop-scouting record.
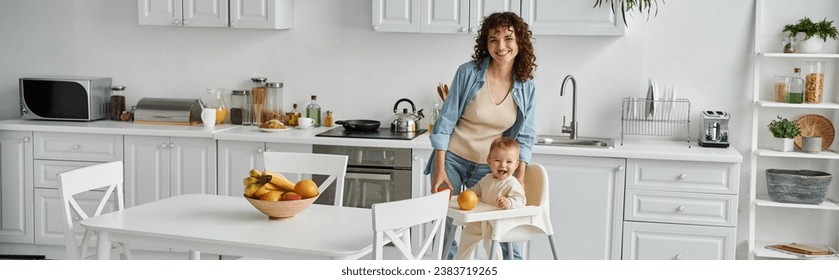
(784, 144)
(812, 45)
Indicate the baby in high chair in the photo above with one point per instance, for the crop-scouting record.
(499, 188)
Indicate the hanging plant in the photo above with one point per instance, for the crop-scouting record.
(649, 7)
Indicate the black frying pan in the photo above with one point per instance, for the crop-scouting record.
(360, 125)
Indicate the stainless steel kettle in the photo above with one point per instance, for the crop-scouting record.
(406, 122)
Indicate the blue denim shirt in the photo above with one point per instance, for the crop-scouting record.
(465, 85)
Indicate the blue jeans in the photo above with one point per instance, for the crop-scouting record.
(464, 174)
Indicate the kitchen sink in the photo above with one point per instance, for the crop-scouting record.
(555, 140)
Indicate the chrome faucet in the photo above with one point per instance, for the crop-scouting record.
(572, 129)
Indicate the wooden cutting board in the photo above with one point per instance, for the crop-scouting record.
(802, 249)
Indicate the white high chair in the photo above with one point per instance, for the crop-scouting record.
(392, 225)
(513, 225)
(83, 180)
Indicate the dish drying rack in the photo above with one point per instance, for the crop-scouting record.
(641, 116)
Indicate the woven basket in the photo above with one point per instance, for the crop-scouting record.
(797, 186)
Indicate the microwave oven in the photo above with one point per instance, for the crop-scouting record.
(64, 98)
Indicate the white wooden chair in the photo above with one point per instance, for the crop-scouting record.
(81, 180)
(301, 164)
(522, 229)
(392, 222)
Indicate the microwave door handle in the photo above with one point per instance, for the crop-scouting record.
(368, 176)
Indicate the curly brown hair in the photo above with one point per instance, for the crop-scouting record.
(525, 62)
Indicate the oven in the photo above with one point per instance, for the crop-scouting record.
(374, 175)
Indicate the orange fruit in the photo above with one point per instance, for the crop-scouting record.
(271, 196)
(467, 200)
(306, 188)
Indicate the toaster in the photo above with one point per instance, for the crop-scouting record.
(714, 132)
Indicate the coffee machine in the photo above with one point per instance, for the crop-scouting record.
(714, 131)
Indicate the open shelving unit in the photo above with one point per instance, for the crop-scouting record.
(770, 15)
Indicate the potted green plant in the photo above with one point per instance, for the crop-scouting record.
(811, 30)
(784, 131)
(650, 7)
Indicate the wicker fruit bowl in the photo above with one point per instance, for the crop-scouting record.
(281, 209)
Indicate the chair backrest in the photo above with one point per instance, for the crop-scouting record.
(73, 182)
(392, 222)
(536, 186)
(300, 164)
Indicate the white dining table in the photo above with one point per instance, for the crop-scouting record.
(231, 226)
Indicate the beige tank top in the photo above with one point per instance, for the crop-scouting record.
(481, 122)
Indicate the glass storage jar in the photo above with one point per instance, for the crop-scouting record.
(273, 101)
(781, 88)
(814, 82)
(258, 98)
(239, 107)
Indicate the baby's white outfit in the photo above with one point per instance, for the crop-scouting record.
(489, 190)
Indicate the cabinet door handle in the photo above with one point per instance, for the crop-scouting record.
(416, 158)
(76, 147)
(681, 209)
(375, 28)
(683, 176)
(163, 146)
(26, 139)
(177, 22)
(621, 168)
(678, 257)
(172, 145)
(474, 30)
(233, 23)
(186, 22)
(268, 150)
(463, 29)
(259, 150)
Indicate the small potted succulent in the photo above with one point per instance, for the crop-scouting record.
(811, 30)
(784, 131)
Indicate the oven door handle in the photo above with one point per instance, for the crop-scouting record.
(368, 176)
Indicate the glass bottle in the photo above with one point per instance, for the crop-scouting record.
(293, 116)
(814, 82)
(327, 122)
(258, 97)
(789, 44)
(273, 101)
(313, 111)
(435, 114)
(796, 88)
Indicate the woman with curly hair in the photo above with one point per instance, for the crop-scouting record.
(490, 97)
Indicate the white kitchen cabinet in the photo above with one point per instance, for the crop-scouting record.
(436, 16)
(49, 230)
(550, 17)
(773, 222)
(262, 14)
(586, 200)
(16, 191)
(236, 158)
(160, 167)
(650, 241)
(465, 16)
(680, 210)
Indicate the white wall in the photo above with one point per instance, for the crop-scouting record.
(704, 47)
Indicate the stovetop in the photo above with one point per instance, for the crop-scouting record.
(381, 133)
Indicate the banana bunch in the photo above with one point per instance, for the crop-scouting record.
(272, 186)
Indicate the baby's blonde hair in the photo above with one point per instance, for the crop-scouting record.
(505, 143)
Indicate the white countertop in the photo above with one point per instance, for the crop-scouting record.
(632, 148)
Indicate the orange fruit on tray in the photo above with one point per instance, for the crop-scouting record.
(467, 200)
(306, 188)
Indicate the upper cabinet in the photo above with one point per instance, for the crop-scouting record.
(260, 14)
(465, 16)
